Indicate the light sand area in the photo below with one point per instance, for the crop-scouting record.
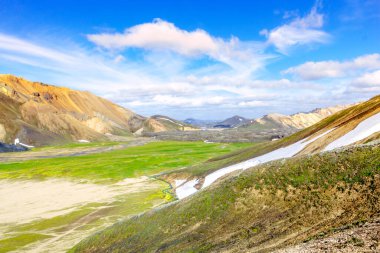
(24, 202)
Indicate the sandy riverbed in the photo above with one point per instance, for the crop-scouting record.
(23, 202)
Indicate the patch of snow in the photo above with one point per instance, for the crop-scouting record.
(284, 152)
(26, 145)
(185, 189)
(171, 121)
(179, 182)
(363, 130)
(17, 142)
(83, 141)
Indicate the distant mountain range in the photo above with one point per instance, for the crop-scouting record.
(271, 121)
(38, 114)
(232, 122)
(296, 121)
(201, 123)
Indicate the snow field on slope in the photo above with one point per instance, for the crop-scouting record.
(365, 129)
(186, 189)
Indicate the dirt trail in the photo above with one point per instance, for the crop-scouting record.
(78, 151)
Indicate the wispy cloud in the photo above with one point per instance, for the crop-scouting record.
(368, 82)
(19, 46)
(335, 69)
(300, 31)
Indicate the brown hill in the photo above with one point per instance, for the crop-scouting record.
(43, 114)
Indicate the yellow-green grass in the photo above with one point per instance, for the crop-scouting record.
(81, 221)
(76, 145)
(264, 208)
(116, 165)
(13, 243)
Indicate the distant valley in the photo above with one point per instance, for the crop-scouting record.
(239, 129)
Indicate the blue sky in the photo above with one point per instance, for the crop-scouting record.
(201, 59)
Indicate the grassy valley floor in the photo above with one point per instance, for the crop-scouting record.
(50, 204)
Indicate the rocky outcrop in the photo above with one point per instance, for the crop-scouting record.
(2, 132)
(11, 148)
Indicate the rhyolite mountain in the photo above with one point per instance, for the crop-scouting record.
(279, 121)
(295, 121)
(39, 114)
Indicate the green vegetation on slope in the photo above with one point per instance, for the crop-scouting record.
(10, 244)
(267, 207)
(119, 164)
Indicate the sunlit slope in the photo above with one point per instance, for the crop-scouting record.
(160, 123)
(268, 207)
(38, 113)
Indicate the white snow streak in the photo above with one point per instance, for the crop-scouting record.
(363, 130)
(185, 189)
(360, 132)
(285, 152)
(188, 188)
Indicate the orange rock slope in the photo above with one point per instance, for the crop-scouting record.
(39, 114)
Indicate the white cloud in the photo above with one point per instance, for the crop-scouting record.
(254, 103)
(161, 35)
(179, 101)
(368, 82)
(300, 31)
(170, 100)
(335, 69)
(157, 35)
